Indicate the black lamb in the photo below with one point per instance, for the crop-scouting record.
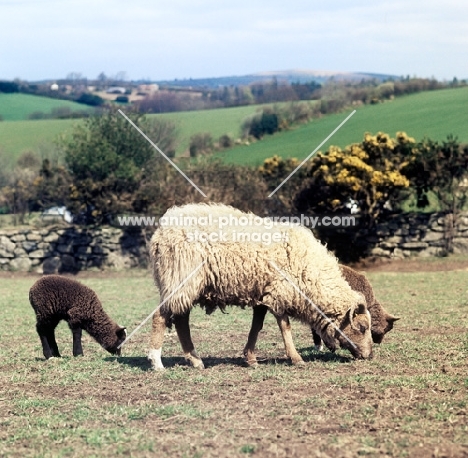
(55, 298)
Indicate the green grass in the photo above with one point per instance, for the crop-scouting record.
(19, 136)
(410, 400)
(217, 122)
(434, 114)
(38, 136)
(17, 107)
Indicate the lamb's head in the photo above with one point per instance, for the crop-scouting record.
(382, 322)
(117, 337)
(355, 333)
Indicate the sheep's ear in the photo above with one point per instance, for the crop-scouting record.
(392, 319)
(361, 309)
(351, 314)
(121, 333)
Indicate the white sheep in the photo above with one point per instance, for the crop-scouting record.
(203, 254)
(382, 321)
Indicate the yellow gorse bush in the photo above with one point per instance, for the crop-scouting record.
(368, 172)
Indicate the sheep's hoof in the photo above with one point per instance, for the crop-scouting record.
(199, 365)
(158, 369)
(252, 363)
(299, 362)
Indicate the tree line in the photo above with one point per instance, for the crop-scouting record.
(333, 94)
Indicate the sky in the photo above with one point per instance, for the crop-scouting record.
(168, 39)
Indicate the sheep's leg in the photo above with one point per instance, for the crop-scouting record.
(47, 336)
(285, 328)
(46, 350)
(183, 331)
(258, 317)
(77, 348)
(53, 344)
(74, 323)
(157, 339)
(317, 341)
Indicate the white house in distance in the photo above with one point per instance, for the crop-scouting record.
(54, 87)
(148, 88)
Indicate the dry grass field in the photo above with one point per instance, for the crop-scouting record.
(410, 400)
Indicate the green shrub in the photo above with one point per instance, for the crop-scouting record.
(121, 99)
(225, 141)
(201, 144)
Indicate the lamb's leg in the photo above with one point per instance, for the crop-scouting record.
(258, 317)
(77, 348)
(47, 335)
(285, 328)
(317, 341)
(183, 331)
(75, 322)
(157, 339)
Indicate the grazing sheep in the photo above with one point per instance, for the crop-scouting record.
(55, 298)
(221, 268)
(382, 321)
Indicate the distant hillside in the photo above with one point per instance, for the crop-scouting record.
(432, 114)
(20, 107)
(38, 136)
(287, 76)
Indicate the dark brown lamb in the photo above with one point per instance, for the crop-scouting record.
(382, 321)
(55, 298)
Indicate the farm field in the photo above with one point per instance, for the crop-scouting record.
(433, 114)
(410, 400)
(17, 107)
(217, 122)
(39, 135)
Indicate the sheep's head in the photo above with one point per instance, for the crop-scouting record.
(382, 322)
(118, 339)
(355, 333)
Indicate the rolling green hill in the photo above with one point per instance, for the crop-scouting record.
(433, 114)
(17, 137)
(18, 107)
(217, 122)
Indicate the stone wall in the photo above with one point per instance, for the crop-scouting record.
(71, 249)
(408, 235)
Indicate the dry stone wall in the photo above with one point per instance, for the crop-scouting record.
(71, 249)
(423, 235)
